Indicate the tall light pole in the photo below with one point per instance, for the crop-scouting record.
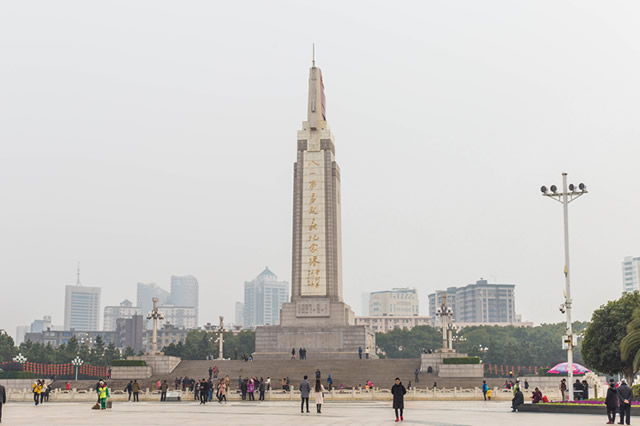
(568, 194)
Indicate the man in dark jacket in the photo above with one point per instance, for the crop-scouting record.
(3, 400)
(611, 401)
(163, 390)
(625, 394)
(305, 389)
(517, 401)
(398, 391)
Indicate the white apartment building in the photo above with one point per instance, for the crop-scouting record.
(631, 274)
(383, 324)
(394, 302)
(126, 310)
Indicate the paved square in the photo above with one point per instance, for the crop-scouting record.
(284, 413)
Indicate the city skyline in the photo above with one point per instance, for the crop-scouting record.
(142, 157)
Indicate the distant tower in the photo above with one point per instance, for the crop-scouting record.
(81, 307)
(185, 292)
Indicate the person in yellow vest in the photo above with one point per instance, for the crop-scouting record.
(37, 390)
(103, 394)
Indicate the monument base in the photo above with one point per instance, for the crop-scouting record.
(276, 342)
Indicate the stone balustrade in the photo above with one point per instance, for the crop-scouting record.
(377, 394)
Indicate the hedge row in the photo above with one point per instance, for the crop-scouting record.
(17, 375)
(464, 360)
(129, 363)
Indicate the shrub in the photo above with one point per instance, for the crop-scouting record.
(464, 360)
(17, 375)
(129, 363)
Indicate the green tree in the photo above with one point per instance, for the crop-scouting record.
(128, 352)
(608, 326)
(630, 344)
(111, 353)
(7, 348)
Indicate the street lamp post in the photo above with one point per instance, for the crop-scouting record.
(568, 194)
(20, 358)
(77, 362)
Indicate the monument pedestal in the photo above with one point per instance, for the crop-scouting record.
(321, 326)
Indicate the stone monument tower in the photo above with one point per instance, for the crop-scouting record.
(317, 318)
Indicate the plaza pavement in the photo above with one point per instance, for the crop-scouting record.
(285, 413)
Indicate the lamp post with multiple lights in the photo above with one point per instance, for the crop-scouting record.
(568, 194)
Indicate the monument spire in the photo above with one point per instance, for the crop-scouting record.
(316, 112)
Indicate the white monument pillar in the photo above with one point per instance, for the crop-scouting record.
(155, 315)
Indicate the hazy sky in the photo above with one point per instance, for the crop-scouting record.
(151, 138)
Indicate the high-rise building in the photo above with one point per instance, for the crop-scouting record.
(395, 302)
(478, 303)
(364, 303)
(21, 332)
(81, 307)
(263, 298)
(40, 325)
(113, 313)
(145, 294)
(631, 274)
(184, 292)
(239, 314)
(129, 332)
(384, 324)
(178, 316)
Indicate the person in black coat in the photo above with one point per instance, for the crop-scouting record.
(517, 401)
(3, 399)
(611, 401)
(625, 395)
(398, 391)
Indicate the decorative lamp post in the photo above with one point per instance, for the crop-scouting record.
(568, 194)
(445, 313)
(20, 358)
(155, 315)
(220, 339)
(77, 362)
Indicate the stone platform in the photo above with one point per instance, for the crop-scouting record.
(328, 342)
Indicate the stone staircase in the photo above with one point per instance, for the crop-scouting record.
(349, 372)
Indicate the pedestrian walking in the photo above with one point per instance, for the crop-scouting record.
(37, 389)
(210, 373)
(625, 394)
(135, 388)
(318, 375)
(163, 389)
(319, 396)
(243, 389)
(128, 389)
(3, 399)
(268, 383)
(261, 388)
(417, 375)
(485, 389)
(329, 382)
(360, 352)
(293, 353)
(398, 391)
(611, 401)
(305, 389)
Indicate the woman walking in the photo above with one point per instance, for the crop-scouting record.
(398, 392)
(319, 389)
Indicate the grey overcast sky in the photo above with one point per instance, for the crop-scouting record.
(151, 138)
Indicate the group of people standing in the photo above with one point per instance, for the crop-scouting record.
(580, 390)
(203, 390)
(40, 391)
(619, 398)
(302, 353)
(250, 385)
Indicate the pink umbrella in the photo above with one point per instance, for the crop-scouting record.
(562, 368)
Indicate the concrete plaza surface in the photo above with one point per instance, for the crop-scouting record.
(285, 413)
